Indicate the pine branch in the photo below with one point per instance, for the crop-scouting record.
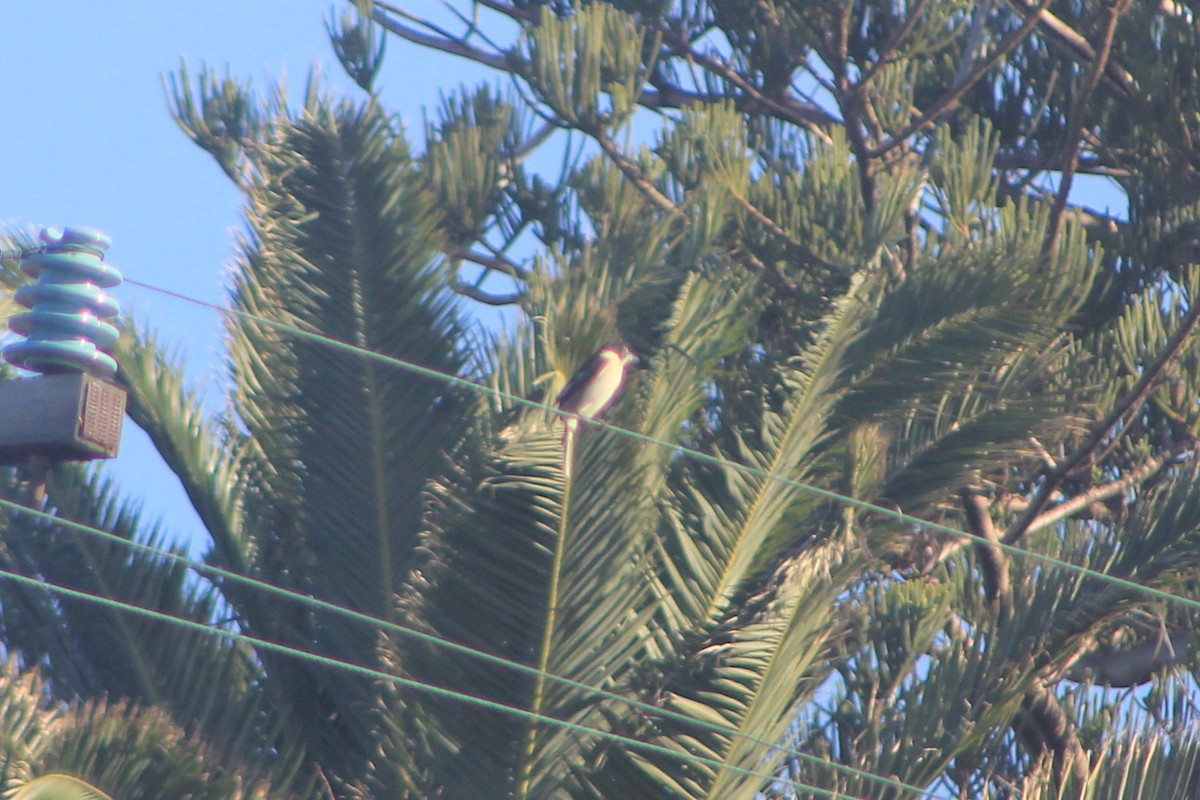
(1076, 43)
(1134, 397)
(951, 97)
(993, 561)
(1046, 731)
(1137, 664)
(1074, 135)
(442, 42)
(631, 172)
(665, 94)
(1149, 468)
(791, 242)
(770, 276)
(525, 776)
(806, 115)
(492, 263)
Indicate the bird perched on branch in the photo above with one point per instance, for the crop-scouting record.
(596, 384)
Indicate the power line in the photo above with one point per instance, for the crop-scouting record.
(376, 622)
(407, 683)
(698, 455)
(379, 624)
(826, 494)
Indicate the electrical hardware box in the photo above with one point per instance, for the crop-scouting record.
(69, 417)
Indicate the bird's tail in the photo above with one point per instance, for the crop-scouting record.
(570, 427)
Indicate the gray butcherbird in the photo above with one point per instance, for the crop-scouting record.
(596, 384)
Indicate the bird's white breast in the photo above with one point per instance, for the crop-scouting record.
(600, 390)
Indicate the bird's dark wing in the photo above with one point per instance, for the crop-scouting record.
(581, 376)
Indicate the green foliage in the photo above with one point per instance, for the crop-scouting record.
(122, 751)
(57, 787)
(965, 182)
(588, 66)
(359, 45)
(848, 250)
(468, 158)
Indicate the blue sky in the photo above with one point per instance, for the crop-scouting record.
(87, 140)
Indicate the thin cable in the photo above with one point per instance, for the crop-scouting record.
(380, 624)
(746, 469)
(455, 379)
(725, 463)
(407, 683)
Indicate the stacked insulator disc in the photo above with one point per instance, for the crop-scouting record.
(67, 327)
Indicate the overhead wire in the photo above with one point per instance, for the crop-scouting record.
(384, 625)
(697, 455)
(407, 683)
(450, 378)
(412, 632)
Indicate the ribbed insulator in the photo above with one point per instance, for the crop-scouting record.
(66, 327)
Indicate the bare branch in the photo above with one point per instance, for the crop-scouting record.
(1044, 454)
(851, 98)
(446, 44)
(534, 141)
(806, 115)
(1086, 164)
(494, 263)
(993, 561)
(1097, 494)
(1135, 665)
(912, 239)
(526, 15)
(1078, 45)
(631, 172)
(890, 50)
(1045, 731)
(475, 293)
